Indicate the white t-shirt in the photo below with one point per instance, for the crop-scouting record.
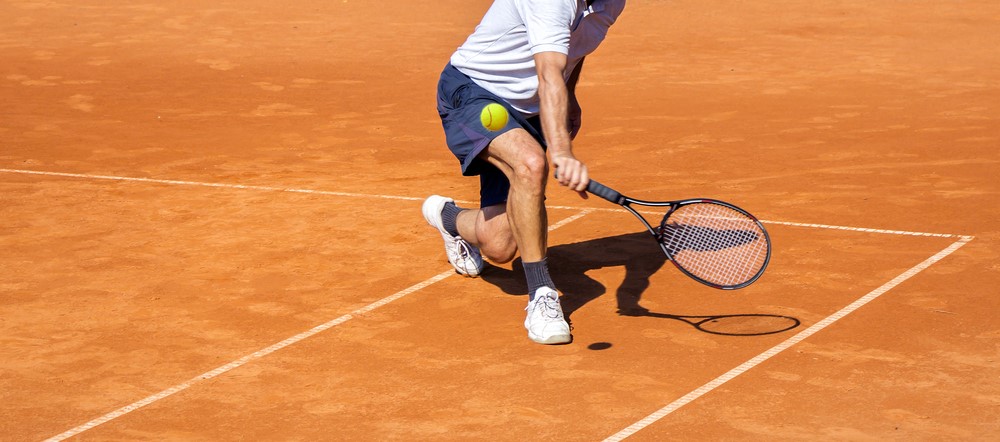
(499, 55)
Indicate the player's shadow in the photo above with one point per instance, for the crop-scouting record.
(641, 258)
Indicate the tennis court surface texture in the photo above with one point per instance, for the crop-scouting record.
(210, 227)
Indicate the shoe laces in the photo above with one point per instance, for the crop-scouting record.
(462, 247)
(548, 308)
(464, 253)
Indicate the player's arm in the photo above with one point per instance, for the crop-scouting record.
(553, 94)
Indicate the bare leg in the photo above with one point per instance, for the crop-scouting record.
(489, 230)
(500, 231)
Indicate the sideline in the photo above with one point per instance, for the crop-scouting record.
(799, 337)
(245, 359)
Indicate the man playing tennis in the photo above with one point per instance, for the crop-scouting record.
(525, 55)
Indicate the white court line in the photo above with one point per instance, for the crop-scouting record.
(245, 359)
(559, 224)
(204, 184)
(408, 198)
(270, 349)
(863, 229)
(799, 337)
(583, 212)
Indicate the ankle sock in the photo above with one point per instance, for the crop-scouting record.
(449, 215)
(537, 274)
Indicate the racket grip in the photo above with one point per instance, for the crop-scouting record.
(604, 192)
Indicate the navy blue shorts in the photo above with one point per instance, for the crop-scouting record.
(460, 102)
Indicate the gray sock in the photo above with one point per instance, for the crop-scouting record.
(449, 215)
(537, 274)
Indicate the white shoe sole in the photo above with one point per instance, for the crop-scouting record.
(554, 339)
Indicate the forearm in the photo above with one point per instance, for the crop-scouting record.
(554, 98)
(553, 95)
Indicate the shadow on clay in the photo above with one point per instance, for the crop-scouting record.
(640, 257)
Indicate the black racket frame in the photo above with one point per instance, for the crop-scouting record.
(618, 198)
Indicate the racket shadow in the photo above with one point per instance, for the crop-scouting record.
(568, 264)
(641, 258)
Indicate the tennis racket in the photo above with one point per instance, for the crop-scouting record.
(713, 242)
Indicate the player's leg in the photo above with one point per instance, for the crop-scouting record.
(514, 155)
(489, 229)
(513, 217)
(459, 109)
(522, 160)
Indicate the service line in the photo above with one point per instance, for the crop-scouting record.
(410, 198)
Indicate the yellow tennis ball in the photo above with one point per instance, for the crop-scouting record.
(494, 116)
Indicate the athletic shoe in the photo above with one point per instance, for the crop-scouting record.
(545, 322)
(462, 255)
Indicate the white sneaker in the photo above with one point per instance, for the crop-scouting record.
(545, 322)
(462, 255)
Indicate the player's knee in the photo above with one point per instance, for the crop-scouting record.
(497, 243)
(532, 169)
(500, 252)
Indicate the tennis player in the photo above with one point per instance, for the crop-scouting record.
(525, 55)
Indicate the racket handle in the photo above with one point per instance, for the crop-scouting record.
(604, 192)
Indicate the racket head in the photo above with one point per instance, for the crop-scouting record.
(715, 243)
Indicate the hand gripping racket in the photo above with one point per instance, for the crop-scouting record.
(714, 242)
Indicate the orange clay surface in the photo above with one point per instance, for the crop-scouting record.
(866, 114)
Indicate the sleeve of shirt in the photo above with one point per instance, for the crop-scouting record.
(548, 23)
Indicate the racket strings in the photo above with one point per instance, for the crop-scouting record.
(716, 243)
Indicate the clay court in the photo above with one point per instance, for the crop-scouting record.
(211, 230)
